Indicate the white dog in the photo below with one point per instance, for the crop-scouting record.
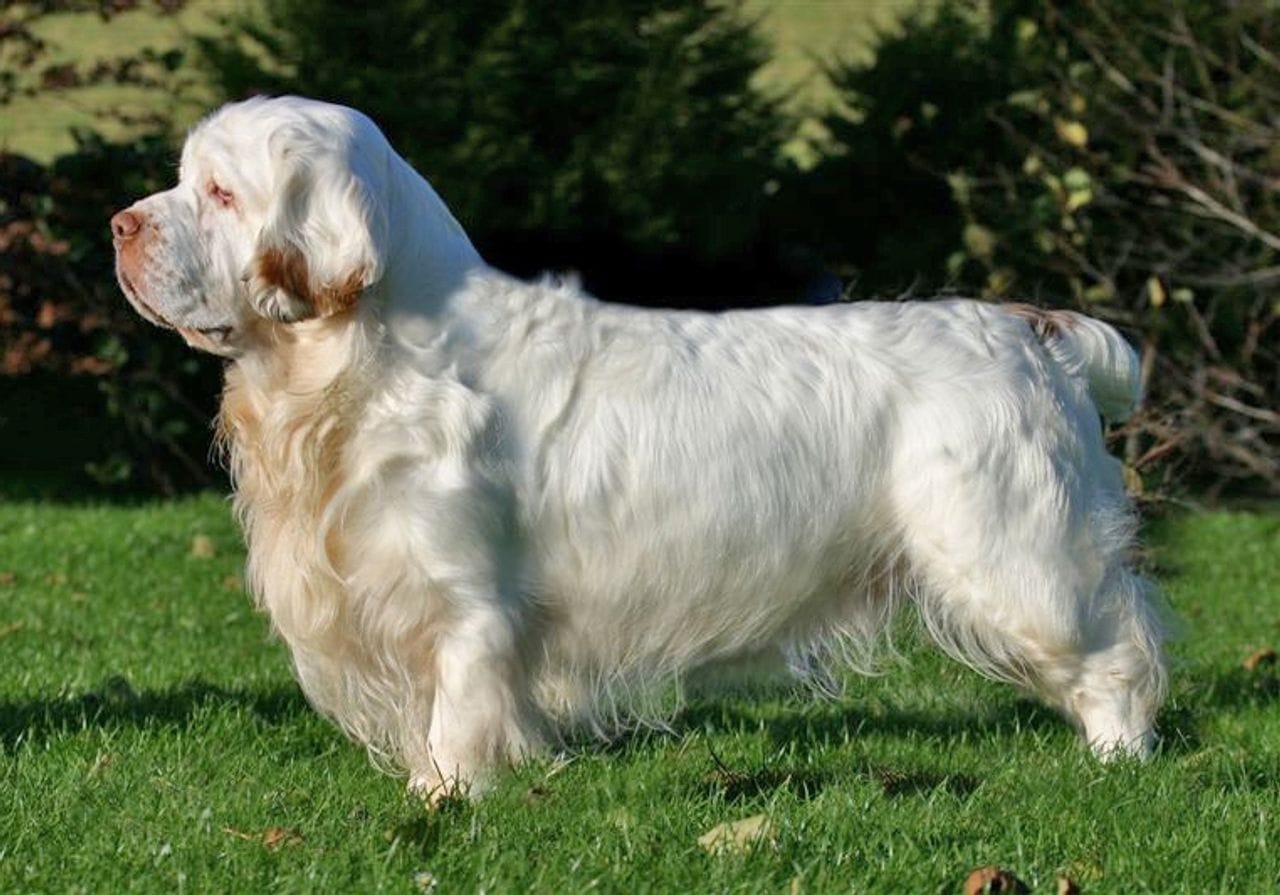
(479, 509)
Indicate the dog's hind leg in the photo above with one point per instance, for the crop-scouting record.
(1120, 679)
(1089, 645)
(1018, 570)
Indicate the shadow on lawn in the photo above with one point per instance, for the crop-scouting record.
(1232, 691)
(116, 704)
(799, 731)
(818, 724)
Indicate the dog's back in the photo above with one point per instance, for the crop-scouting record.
(697, 488)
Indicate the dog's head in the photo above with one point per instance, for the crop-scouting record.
(279, 214)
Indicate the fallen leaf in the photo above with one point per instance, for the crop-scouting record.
(202, 547)
(56, 579)
(233, 582)
(11, 628)
(1067, 886)
(739, 835)
(992, 880)
(274, 837)
(1258, 658)
(7, 578)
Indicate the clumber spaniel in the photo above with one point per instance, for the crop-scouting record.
(480, 509)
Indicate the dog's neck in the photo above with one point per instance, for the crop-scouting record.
(286, 416)
(293, 373)
(431, 255)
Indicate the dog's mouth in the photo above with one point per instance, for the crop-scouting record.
(134, 294)
(214, 340)
(216, 334)
(220, 333)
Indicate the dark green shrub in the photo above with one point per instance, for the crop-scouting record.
(1117, 155)
(600, 136)
(62, 315)
(89, 393)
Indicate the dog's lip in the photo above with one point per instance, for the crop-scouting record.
(218, 332)
(133, 293)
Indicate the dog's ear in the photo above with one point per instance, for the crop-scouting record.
(323, 242)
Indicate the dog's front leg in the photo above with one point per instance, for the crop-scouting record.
(481, 717)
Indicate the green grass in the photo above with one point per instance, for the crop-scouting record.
(151, 738)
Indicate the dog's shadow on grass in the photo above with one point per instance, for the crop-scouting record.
(813, 725)
(1228, 692)
(799, 732)
(116, 704)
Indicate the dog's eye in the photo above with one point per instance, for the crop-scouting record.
(221, 196)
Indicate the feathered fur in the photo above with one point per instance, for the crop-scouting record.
(480, 509)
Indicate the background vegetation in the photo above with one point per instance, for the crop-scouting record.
(1119, 157)
(1116, 157)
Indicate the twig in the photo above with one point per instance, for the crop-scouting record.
(1260, 51)
(1257, 413)
(1259, 277)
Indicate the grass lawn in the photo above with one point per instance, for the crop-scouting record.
(151, 739)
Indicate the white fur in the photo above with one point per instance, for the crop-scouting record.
(478, 508)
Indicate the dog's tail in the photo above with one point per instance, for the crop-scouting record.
(1093, 350)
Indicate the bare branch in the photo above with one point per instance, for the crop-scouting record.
(1260, 51)
(1258, 413)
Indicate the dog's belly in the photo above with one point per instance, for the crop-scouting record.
(686, 538)
(654, 599)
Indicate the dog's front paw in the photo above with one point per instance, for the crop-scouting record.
(438, 791)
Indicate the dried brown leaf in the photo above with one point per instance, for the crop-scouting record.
(275, 837)
(272, 837)
(1264, 657)
(992, 880)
